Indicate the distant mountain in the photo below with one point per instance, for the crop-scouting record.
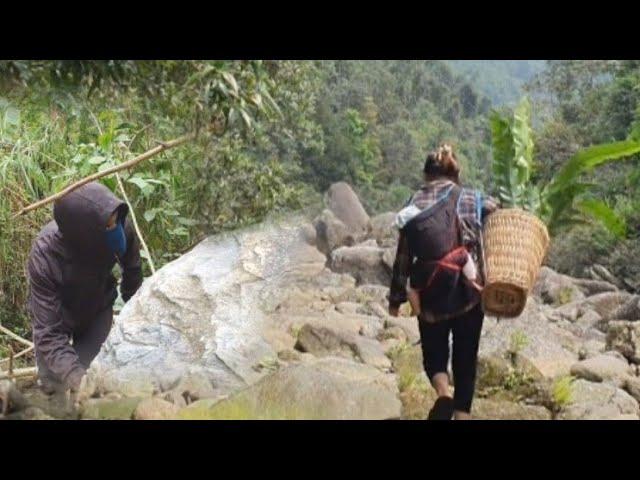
(500, 80)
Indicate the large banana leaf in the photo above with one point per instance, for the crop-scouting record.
(601, 212)
(522, 141)
(557, 203)
(503, 154)
(591, 157)
(512, 144)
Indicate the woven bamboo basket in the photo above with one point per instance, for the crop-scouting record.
(515, 244)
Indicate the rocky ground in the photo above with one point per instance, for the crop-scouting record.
(289, 320)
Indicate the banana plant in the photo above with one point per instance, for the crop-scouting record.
(563, 200)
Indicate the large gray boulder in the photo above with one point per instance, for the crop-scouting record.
(345, 204)
(539, 345)
(630, 310)
(208, 313)
(332, 233)
(329, 388)
(383, 229)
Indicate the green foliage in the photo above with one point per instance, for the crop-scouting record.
(59, 123)
(562, 392)
(513, 157)
(558, 203)
(565, 295)
(380, 118)
(500, 80)
(517, 342)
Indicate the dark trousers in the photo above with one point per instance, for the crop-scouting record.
(87, 342)
(466, 330)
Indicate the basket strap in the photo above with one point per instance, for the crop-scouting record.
(441, 264)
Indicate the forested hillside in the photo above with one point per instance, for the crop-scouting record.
(500, 80)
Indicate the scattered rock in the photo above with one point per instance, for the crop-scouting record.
(602, 368)
(555, 288)
(11, 399)
(393, 331)
(372, 353)
(598, 401)
(108, 409)
(598, 272)
(329, 388)
(624, 336)
(289, 355)
(492, 372)
(632, 386)
(363, 262)
(591, 287)
(591, 348)
(331, 233)
(541, 347)
(629, 311)
(155, 408)
(389, 257)
(309, 234)
(30, 413)
(194, 386)
(488, 409)
(370, 293)
(321, 341)
(607, 302)
(383, 229)
(349, 308)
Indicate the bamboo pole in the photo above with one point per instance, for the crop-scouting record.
(117, 168)
(19, 373)
(17, 338)
(19, 354)
(135, 224)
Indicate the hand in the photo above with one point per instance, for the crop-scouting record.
(394, 311)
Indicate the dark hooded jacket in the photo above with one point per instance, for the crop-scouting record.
(70, 274)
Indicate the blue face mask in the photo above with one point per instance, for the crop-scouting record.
(116, 240)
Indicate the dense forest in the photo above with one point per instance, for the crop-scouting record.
(500, 80)
(273, 135)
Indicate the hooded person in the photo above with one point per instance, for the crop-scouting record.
(72, 287)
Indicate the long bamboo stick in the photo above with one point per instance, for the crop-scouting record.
(19, 373)
(135, 224)
(19, 354)
(117, 168)
(17, 338)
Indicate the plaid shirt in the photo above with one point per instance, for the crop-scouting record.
(473, 207)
